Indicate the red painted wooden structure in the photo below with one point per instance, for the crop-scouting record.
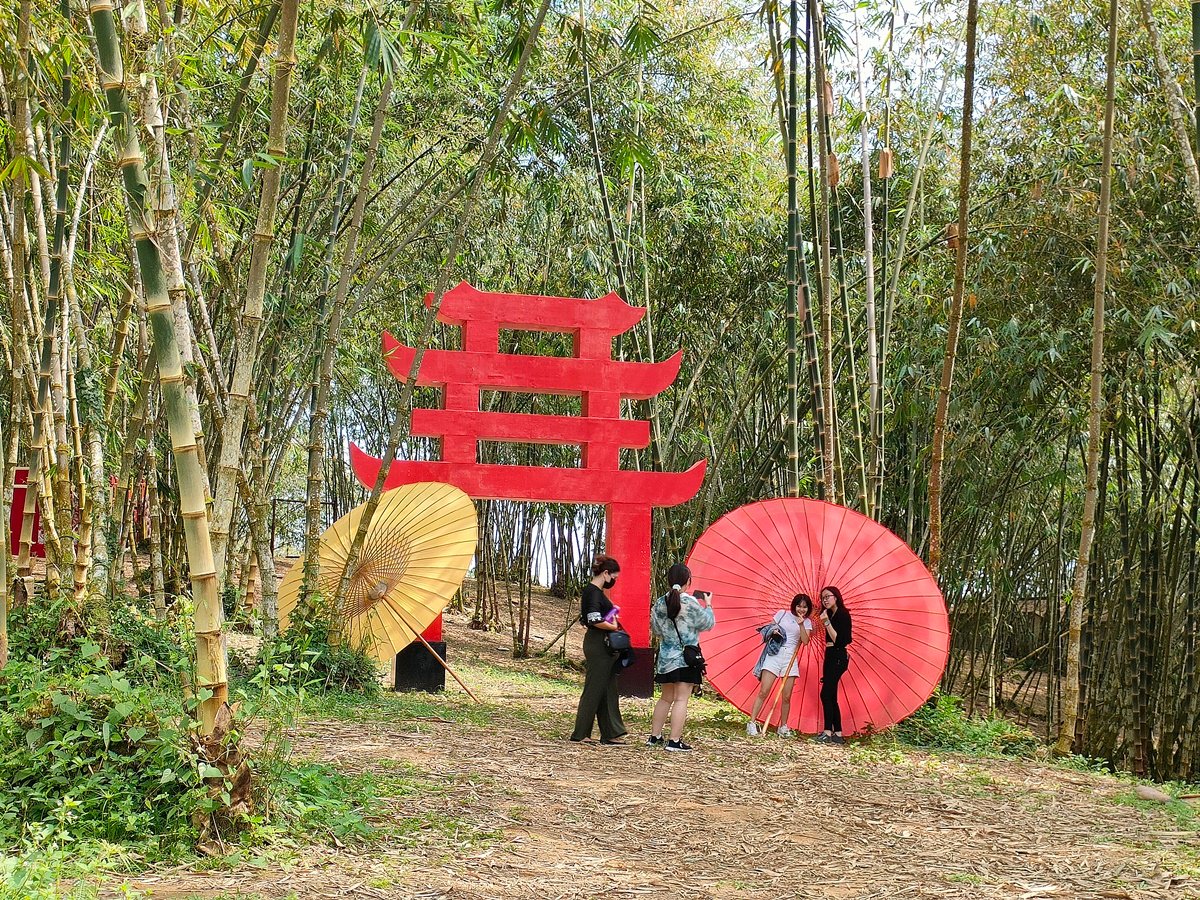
(591, 374)
(17, 511)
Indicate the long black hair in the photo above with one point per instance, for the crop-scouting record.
(837, 595)
(677, 576)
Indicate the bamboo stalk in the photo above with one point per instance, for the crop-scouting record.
(1196, 68)
(825, 163)
(1070, 702)
(4, 539)
(209, 633)
(890, 287)
(326, 336)
(486, 155)
(48, 366)
(873, 400)
(793, 258)
(19, 293)
(1173, 95)
(954, 319)
(228, 465)
(773, 704)
(163, 204)
(598, 162)
(154, 511)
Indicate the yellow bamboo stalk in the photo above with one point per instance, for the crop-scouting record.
(211, 680)
(229, 462)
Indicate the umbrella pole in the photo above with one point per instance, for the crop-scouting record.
(772, 704)
(446, 666)
(435, 655)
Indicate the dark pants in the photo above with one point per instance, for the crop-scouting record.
(599, 702)
(837, 661)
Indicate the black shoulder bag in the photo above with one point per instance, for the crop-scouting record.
(692, 654)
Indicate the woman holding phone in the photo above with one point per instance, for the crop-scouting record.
(677, 618)
(598, 703)
(835, 620)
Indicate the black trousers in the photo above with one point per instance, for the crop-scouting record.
(837, 661)
(599, 702)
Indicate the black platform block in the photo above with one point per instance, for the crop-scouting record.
(417, 670)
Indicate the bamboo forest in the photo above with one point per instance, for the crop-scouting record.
(389, 384)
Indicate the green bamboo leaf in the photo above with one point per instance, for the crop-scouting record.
(19, 168)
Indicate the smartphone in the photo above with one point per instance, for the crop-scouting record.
(702, 595)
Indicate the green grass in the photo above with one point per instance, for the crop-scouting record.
(965, 878)
(1186, 816)
(942, 724)
(397, 710)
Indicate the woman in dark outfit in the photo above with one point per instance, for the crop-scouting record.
(599, 700)
(836, 622)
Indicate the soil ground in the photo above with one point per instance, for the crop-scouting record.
(491, 801)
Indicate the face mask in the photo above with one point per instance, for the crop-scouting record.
(612, 580)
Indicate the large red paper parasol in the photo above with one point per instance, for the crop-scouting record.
(756, 558)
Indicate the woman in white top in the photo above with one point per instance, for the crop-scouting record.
(796, 627)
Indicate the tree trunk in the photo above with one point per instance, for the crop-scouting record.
(873, 400)
(211, 680)
(229, 464)
(1070, 701)
(954, 319)
(1174, 99)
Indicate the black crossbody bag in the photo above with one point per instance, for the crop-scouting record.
(692, 654)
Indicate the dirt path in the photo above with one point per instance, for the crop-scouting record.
(509, 809)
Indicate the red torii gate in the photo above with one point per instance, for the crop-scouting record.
(591, 374)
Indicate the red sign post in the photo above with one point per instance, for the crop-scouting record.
(591, 374)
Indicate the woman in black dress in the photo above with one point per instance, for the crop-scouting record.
(599, 701)
(835, 620)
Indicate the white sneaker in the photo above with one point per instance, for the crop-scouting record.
(751, 729)
(784, 731)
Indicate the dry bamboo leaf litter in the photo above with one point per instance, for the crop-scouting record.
(539, 818)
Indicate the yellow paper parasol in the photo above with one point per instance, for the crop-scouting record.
(415, 556)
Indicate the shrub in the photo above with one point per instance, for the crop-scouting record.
(83, 747)
(307, 657)
(130, 640)
(942, 724)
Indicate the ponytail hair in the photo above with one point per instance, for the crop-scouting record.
(678, 576)
(602, 564)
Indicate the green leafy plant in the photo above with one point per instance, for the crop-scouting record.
(942, 724)
(308, 656)
(89, 753)
(131, 641)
